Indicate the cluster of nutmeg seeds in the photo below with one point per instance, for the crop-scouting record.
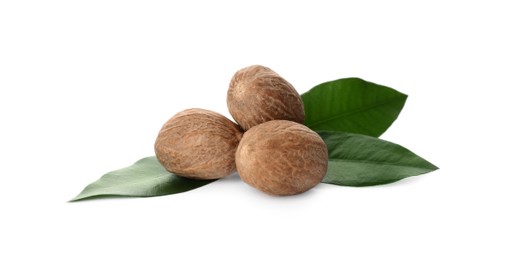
(270, 147)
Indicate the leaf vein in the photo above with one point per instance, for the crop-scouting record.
(355, 111)
(378, 163)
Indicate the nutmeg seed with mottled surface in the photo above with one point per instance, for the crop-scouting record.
(281, 158)
(199, 144)
(257, 94)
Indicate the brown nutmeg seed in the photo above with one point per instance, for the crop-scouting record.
(281, 158)
(257, 94)
(199, 144)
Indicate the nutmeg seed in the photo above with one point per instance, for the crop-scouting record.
(281, 158)
(199, 144)
(257, 94)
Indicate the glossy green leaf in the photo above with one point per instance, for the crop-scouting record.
(352, 105)
(359, 160)
(145, 178)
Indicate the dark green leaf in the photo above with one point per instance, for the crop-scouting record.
(359, 160)
(352, 105)
(145, 178)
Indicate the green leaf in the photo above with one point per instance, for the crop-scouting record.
(352, 105)
(359, 160)
(145, 178)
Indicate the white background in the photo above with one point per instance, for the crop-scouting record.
(86, 85)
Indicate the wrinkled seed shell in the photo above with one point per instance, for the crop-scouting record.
(281, 158)
(199, 144)
(257, 94)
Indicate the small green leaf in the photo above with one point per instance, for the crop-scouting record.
(359, 160)
(352, 105)
(145, 178)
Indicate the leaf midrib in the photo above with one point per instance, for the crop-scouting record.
(378, 163)
(143, 180)
(363, 109)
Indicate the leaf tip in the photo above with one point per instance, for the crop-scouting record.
(74, 199)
